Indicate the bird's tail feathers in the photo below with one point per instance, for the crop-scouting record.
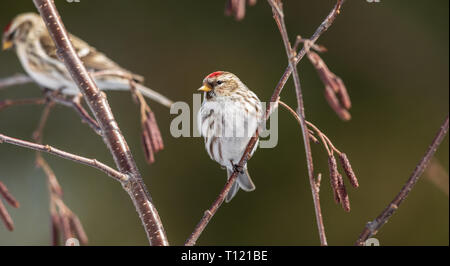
(153, 95)
(243, 181)
(115, 83)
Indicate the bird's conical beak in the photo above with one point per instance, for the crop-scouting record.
(6, 45)
(205, 88)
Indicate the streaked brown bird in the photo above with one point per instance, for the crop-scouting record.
(29, 37)
(228, 118)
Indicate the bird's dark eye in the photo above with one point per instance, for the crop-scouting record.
(219, 82)
(11, 35)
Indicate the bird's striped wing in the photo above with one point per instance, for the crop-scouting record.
(92, 59)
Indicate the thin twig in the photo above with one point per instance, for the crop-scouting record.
(152, 94)
(328, 21)
(30, 101)
(314, 128)
(58, 209)
(111, 133)
(69, 156)
(339, 191)
(315, 184)
(151, 136)
(37, 134)
(274, 99)
(152, 141)
(325, 141)
(208, 214)
(373, 227)
(75, 104)
(277, 10)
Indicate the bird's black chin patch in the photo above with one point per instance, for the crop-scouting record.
(210, 95)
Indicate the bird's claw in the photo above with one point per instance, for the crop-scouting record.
(238, 168)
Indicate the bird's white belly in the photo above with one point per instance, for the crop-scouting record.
(46, 77)
(227, 139)
(50, 78)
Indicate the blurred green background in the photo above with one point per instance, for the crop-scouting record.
(393, 57)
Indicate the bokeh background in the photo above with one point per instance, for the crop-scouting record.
(392, 55)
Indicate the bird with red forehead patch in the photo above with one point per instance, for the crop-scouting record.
(228, 118)
(31, 41)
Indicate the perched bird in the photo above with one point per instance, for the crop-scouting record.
(37, 53)
(229, 116)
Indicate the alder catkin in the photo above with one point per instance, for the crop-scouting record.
(348, 170)
(334, 179)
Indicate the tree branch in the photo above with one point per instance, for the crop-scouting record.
(208, 214)
(111, 133)
(69, 156)
(198, 230)
(319, 31)
(75, 104)
(373, 227)
(278, 14)
(29, 101)
(313, 183)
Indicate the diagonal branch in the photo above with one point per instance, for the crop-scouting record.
(278, 15)
(315, 184)
(111, 133)
(69, 156)
(324, 26)
(373, 227)
(73, 103)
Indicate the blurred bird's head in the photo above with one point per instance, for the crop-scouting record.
(18, 30)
